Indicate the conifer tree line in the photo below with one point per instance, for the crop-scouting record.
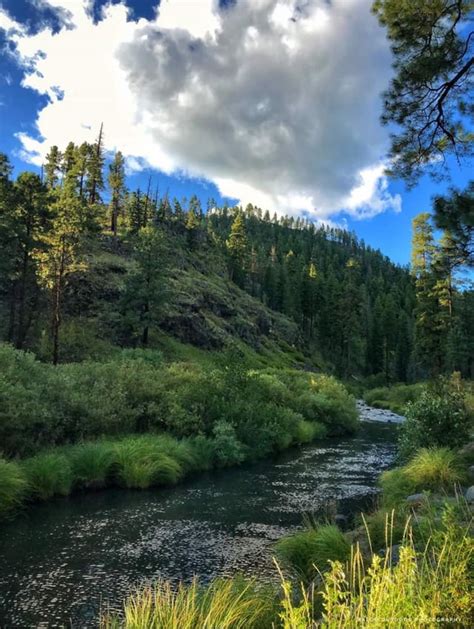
(363, 314)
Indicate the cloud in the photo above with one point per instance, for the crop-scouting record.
(276, 101)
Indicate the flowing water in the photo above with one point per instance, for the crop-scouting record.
(62, 561)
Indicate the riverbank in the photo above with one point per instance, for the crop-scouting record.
(421, 575)
(136, 422)
(410, 560)
(215, 524)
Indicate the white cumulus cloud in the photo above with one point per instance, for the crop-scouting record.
(276, 101)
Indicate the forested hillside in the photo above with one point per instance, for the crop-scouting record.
(88, 266)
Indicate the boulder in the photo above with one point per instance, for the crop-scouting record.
(470, 494)
(416, 499)
(392, 553)
(340, 520)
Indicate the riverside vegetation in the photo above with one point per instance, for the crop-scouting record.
(410, 562)
(137, 422)
(173, 341)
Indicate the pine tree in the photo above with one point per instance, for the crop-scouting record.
(52, 167)
(117, 189)
(193, 225)
(95, 166)
(237, 249)
(430, 329)
(145, 289)
(59, 253)
(28, 222)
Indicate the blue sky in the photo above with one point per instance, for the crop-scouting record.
(276, 104)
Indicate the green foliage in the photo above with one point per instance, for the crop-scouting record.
(308, 553)
(143, 462)
(305, 431)
(431, 469)
(48, 475)
(455, 213)
(92, 463)
(228, 449)
(257, 412)
(422, 589)
(439, 417)
(13, 487)
(225, 604)
(396, 486)
(430, 96)
(435, 468)
(395, 397)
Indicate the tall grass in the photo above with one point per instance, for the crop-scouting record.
(13, 487)
(435, 468)
(142, 463)
(93, 463)
(225, 604)
(431, 469)
(309, 552)
(48, 475)
(427, 588)
(422, 587)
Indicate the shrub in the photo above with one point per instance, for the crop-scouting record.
(48, 475)
(396, 486)
(13, 487)
(438, 418)
(204, 452)
(305, 431)
(394, 398)
(228, 449)
(310, 551)
(431, 469)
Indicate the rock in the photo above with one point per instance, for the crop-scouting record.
(340, 520)
(393, 553)
(416, 499)
(470, 494)
(470, 472)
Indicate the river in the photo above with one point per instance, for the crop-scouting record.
(62, 561)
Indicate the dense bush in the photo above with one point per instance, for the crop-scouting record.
(263, 412)
(394, 398)
(439, 417)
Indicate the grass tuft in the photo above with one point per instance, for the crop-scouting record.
(92, 464)
(310, 552)
(225, 604)
(48, 475)
(13, 487)
(142, 463)
(435, 469)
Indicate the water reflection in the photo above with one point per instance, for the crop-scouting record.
(61, 561)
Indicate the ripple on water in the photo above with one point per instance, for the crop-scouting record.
(65, 560)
